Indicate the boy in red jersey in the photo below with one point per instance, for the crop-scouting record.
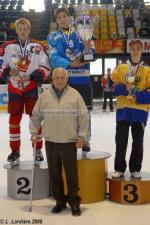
(24, 65)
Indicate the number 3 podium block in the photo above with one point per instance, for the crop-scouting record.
(128, 190)
(19, 181)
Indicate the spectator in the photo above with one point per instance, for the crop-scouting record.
(129, 22)
(105, 82)
(122, 36)
(114, 36)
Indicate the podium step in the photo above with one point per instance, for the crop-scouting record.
(19, 180)
(128, 190)
(92, 176)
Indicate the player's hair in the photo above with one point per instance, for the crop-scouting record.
(23, 21)
(63, 10)
(135, 41)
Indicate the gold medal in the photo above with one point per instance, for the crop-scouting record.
(68, 50)
(24, 62)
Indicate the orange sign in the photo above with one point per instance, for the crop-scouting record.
(109, 46)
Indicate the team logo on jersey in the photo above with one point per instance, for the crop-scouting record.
(73, 55)
(38, 49)
(71, 44)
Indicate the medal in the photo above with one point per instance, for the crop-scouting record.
(23, 50)
(24, 62)
(67, 50)
(68, 42)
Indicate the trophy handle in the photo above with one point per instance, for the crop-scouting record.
(84, 9)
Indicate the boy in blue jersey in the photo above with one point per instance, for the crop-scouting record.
(133, 101)
(66, 51)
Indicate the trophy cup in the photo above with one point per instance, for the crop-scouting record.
(16, 76)
(85, 28)
(130, 78)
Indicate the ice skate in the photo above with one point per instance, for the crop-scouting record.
(38, 157)
(13, 158)
(86, 148)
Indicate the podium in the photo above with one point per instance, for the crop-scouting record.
(92, 173)
(128, 190)
(19, 181)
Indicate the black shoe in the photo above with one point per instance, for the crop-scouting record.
(39, 155)
(86, 148)
(58, 208)
(74, 203)
(75, 209)
(13, 156)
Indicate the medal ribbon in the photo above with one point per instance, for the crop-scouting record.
(132, 67)
(23, 49)
(66, 39)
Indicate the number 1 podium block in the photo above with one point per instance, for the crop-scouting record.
(92, 176)
(128, 190)
(19, 181)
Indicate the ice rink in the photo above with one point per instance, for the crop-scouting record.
(101, 213)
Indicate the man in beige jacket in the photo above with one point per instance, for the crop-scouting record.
(64, 118)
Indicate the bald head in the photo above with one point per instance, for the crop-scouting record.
(60, 78)
(60, 70)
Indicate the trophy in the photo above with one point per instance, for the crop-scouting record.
(85, 28)
(16, 75)
(130, 78)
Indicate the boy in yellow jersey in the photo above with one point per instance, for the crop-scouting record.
(131, 86)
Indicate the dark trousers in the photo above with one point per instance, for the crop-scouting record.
(65, 154)
(108, 95)
(136, 157)
(86, 92)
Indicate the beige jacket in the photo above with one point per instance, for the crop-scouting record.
(63, 119)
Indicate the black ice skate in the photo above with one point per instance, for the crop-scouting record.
(86, 148)
(13, 158)
(38, 157)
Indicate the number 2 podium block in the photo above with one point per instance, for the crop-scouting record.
(128, 190)
(19, 181)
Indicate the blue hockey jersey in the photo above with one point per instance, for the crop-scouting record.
(66, 48)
